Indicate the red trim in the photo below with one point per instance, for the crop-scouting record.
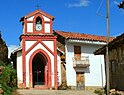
(29, 21)
(31, 47)
(47, 79)
(47, 48)
(41, 44)
(23, 63)
(51, 23)
(38, 37)
(40, 12)
(25, 26)
(47, 22)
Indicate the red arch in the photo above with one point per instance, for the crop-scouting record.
(34, 20)
(48, 77)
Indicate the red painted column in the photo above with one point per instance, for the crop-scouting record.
(49, 75)
(23, 63)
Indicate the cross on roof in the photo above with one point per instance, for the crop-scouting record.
(37, 6)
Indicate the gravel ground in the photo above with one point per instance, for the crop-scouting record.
(55, 92)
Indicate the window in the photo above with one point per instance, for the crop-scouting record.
(77, 52)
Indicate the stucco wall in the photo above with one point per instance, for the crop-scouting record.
(59, 68)
(30, 27)
(47, 28)
(93, 76)
(19, 67)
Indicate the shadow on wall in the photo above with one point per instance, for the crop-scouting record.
(85, 70)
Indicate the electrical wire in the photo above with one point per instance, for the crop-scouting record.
(99, 8)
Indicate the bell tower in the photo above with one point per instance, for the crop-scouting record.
(39, 52)
(37, 22)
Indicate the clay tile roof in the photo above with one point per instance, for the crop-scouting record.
(119, 40)
(89, 37)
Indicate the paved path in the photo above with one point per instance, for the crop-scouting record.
(55, 92)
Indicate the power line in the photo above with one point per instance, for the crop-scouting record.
(99, 8)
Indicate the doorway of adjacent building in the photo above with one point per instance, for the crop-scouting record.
(80, 79)
(39, 70)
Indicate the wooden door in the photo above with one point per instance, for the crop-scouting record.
(80, 79)
(77, 52)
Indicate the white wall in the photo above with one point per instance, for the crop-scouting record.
(47, 28)
(30, 27)
(28, 44)
(30, 18)
(59, 68)
(49, 44)
(19, 67)
(93, 76)
(95, 66)
(46, 18)
(70, 72)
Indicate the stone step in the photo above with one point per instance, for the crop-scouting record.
(40, 87)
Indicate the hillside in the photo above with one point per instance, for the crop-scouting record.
(3, 50)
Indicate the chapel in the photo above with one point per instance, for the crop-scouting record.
(36, 59)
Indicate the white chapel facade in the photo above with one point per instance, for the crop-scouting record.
(36, 60)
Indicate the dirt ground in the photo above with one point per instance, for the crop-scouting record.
(55, 92)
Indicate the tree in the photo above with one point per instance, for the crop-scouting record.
(121, 5)
(7, 73)
(3, 50)
(8, 79)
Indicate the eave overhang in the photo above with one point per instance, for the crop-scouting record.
(85, 41)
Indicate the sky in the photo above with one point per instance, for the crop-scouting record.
(82, 16)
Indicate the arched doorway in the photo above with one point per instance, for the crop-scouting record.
(39, 70)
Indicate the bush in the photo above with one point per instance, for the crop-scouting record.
(100, 91)
(7, 78)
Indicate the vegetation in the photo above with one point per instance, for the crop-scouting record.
(100, 91)
(3, 50)
(64, 86)
(7, 79)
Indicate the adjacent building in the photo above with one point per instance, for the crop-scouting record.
(83, 69)
(116, 62)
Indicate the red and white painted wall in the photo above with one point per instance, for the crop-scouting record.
(38, 44)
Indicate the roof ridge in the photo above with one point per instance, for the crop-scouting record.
(79, 33)
(82, 36)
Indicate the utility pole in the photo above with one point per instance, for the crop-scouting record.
(107, 47)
